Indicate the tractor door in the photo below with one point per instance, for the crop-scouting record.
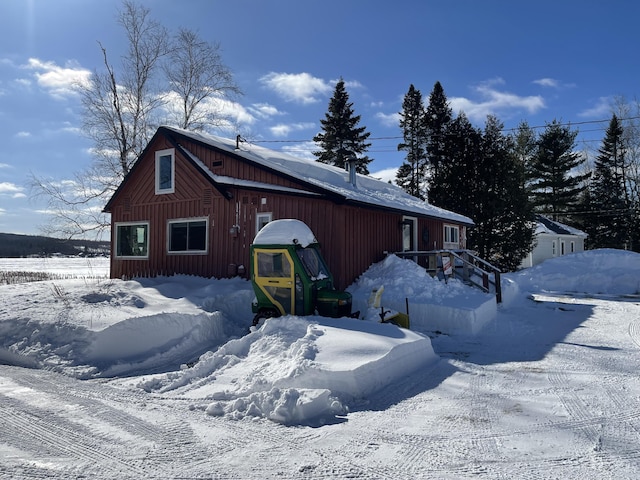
(275, 276)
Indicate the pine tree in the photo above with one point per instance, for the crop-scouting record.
(555, 187)
(525, 143)
(438, 117)
(411, 174)
(503, 233)
(342, 138)
(452, 184)
(608, 202)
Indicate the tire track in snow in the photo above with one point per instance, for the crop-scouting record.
(101, 402)
(43, 433)
(634, 332)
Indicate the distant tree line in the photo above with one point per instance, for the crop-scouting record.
(502, 180)
(17, 246)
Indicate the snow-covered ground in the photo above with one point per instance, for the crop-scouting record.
(94, 381)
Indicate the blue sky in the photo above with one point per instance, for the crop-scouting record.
(533, 61)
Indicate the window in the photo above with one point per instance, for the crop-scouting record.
(188, 236)
(451, 236)
(261, 220)
(562, 247)
(132, 240)
(165, 171)
(553, 248)
(573, 246)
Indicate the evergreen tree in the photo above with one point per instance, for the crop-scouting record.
(438, 117)
(525, 143)
(342, 138)
(556, 188)
(411, 174)
(608, 202)
(452, 184)
(503, 234)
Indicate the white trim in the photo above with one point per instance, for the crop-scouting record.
(116, 243)
(188, 221)
(414, 231)
(262, 215)
(448, 242)
(170, 152)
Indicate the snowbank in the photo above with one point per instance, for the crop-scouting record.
(449, 307)
(602, 271)
(294, 370)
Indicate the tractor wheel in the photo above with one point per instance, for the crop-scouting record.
(262, 315)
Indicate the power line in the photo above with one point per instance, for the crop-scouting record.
(398, 137)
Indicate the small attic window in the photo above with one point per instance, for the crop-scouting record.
(165, 171)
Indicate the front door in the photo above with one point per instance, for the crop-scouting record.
(275, 277)
(409, 235)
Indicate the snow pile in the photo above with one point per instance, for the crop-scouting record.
(434, 305)
(114, 327)
(602, 271)
(293, 370)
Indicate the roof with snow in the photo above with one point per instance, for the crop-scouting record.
(329, 179)
(551, 227)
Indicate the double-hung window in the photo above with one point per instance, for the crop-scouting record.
(451, 236)
(165, 171)
(132, 240)
(188, 235)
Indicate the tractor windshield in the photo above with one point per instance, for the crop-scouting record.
(313, 263)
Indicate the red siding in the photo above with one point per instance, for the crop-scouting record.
(352, 238)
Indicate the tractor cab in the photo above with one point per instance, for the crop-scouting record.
(290, 276)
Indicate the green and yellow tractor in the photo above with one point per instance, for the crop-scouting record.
(290, 276)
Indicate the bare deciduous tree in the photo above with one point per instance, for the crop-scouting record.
(123, 106)
(199, 79)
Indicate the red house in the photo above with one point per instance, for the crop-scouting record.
(193, 203)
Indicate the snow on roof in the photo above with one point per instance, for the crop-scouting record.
(367, 190)
(286, 231)
(551, 227)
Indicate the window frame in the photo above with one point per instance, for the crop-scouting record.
(188, 221)
(170, 152)
(116, 242)
(448, 243)
(262, 215)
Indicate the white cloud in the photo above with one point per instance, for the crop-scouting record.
(10, 188)
(282, 129)
(601, 109)
(547, 82)
(228, 114)
(23, 134)
(296, 87)
(302, 150)
(5, 165)
(388, 120)
(264, 110)
(386, 175)
(493, 100)
(57, 80)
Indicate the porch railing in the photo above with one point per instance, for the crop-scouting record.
(462, 264)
